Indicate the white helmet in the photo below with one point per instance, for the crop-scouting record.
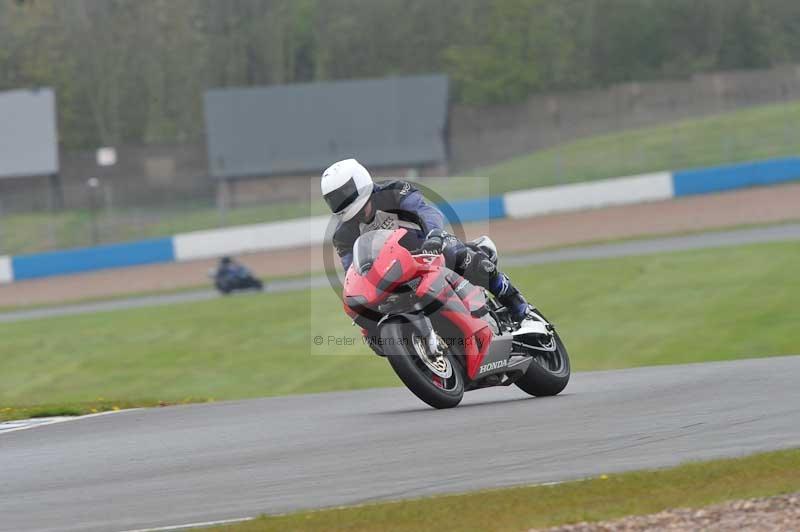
(346, 187)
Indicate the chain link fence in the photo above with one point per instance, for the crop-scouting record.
(548, 140)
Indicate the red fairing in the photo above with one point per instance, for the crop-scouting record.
(435, 285)
(476, 332)
(368, 286)
(477, 337)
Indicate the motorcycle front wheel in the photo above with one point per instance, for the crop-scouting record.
(435, 378)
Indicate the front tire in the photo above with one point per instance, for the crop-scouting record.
(548, 374)
(402, 347)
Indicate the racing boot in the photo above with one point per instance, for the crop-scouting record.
(508, 296)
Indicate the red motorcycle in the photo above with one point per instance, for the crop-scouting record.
(441, 334)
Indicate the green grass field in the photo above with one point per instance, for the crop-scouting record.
(662, 309)
(691, 485)
(755, 133)
(206, 285)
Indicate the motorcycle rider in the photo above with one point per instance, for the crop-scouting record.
(362, 205)
(230, 275)
(230, 269)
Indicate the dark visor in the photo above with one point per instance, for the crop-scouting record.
(339, 199)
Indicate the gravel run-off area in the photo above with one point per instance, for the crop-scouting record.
(773, 514)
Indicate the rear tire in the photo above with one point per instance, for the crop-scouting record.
(414, 373)
(547, 377)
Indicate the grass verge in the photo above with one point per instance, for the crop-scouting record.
(83, 408)
(607, 497)
(207, 285)
(757, 133)
(269, 279)
(693, 306)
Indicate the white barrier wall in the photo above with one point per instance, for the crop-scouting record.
(578, 196)
(6, 274)
(250, 238)
(311, 231)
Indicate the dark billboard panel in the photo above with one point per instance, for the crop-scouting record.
(289, 129)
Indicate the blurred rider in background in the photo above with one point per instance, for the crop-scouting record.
(229, 275)
(229, 268)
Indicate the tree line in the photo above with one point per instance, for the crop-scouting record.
(133, 71)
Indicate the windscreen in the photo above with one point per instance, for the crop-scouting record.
(367, 248)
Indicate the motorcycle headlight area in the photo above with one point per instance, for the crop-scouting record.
(398, 302)
(403, 298)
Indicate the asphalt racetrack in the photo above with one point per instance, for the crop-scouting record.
(189, 464)
(774, 233)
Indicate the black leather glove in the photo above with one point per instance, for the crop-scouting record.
(435, 241)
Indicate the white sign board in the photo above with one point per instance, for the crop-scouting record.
(28, 137)
(106, 156)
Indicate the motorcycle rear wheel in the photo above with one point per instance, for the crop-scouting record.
(548, 374)
(402, 348)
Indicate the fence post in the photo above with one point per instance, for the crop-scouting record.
(93, 184)
(55, 201)
(56, 195)
(223, 199)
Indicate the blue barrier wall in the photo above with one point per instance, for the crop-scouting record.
(730, 177)
(93, 258)
(474, 210)
(686, 183)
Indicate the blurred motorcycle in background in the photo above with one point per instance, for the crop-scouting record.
(230, 276)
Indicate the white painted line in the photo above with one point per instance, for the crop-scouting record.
(25, 424)
(193, 525)
(20, 424)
